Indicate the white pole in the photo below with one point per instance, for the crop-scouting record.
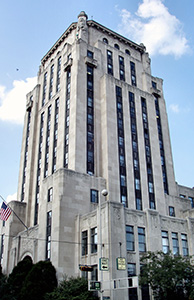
(103, 193)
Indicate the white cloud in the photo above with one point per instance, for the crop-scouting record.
(175, 108)
(11, 197)
(13, 102)
(154, 26)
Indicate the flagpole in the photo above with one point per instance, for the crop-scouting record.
(14, 213)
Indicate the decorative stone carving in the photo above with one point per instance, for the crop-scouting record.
(82, 28)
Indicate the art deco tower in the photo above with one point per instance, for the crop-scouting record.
(97, 119)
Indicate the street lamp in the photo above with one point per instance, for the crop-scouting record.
(104, 193)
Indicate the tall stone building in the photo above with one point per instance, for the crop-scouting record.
(97, 120)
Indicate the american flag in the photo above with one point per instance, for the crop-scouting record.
(5, 212)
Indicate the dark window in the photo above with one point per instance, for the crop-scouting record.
(130, 238)
(85, 242)
(2, 248)
(160, 137)
(131, 268)
(50, 194)
(55, 136)
(121, 146)
(90, 121)
(165, 242)
(154, 85)
(68, 85)
(182, 196)
(90, 54)
(133, 74)
(94, 240)
(58, 74)
(127, 52)
(105, 41)
(109, 62)
(175, 243)
(94, 196)
(133, 294)
(184, 244)
(141, 239)
(122, 68)
(48, 235)
(171, 211)
(38, 169)
(192, 201)
(44, 89)
(116, 46)
(51, 82)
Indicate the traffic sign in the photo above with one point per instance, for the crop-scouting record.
(121, 263)
(104, 264)
(94, 285)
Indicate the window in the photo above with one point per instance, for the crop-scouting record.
(54, 164)
(154, 85)
(175, 243)
(109, 62)
(192, 201)
(171, 211)
(137, 184)
(85, 242)
(130, 238)
(117, 46)
(68, 89)
(48, 235)
(105, 41)
(122, 68)
(50, 194)
(184, 244)
(2, 248)
(58, 74)
(51, 82)
(90, 54)
(94, 274)
(94, 196)
(121, 146)
(94, 240)
(141, 239)
(165, 242)
(131, 268)
(127, 52)
(90, 121)
(44, 89)
(133, 74)
(182, 196)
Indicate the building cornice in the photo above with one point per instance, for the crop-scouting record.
(91, 23)
(141, 48)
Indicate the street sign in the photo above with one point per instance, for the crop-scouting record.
(121, 263)
(94, 285)
(104, 264)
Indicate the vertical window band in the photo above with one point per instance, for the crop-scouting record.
(121, 146)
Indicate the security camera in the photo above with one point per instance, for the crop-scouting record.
(104, 192)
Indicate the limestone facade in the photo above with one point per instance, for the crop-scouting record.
(79, 138)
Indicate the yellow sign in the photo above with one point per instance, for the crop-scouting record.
(121, 263)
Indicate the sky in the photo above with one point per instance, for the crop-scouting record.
(28, 29)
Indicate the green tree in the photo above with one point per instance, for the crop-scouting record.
(40, 280)
(170, 277)
(72, 289)
(16, 278)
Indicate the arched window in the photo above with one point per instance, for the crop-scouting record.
(127, 52)
(105, 41)
(117, 46)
